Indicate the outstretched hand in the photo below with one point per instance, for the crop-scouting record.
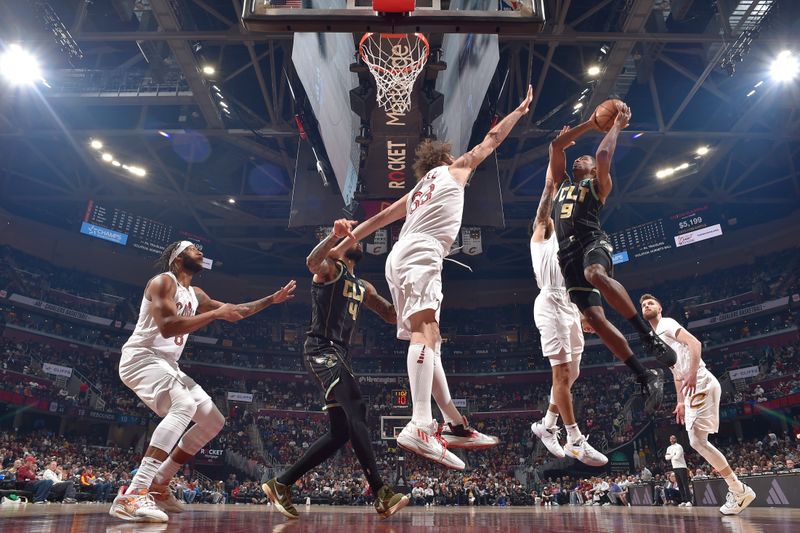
(344, 228)
(564, 130)
(623, 117)
(285, 293)
(523, 107)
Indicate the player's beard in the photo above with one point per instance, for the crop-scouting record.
(191, 265)
(354, 254)
(650, 316)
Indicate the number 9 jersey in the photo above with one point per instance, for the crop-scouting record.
(435, 207)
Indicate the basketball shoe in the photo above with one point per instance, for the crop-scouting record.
(736, 502)
(166, 500)
(655, 347)
(427, 442)
(388, 502)
(280, 495)
(584, 452)
(463, 436)
(549, 437)
(652, 384)
(136, 507)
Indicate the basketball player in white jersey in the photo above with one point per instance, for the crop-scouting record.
(172, 309)
(698, 394)
(559, 324)
(433, 211)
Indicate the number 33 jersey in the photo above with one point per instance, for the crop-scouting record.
(146, 335)
(435, 207)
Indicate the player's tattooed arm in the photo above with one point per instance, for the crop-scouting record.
(319, 261)
(379, 305)
(281, 295)
(204, 301)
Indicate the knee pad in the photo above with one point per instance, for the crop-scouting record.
(178, 418)
(208, 422)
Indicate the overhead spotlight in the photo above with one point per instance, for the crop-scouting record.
(664, 172)
(682, 166)
(214, 86)
(785, 67)
(208, 70)
(19, 67)
(604, 49)
(223, 104)
(577, 106)
(137, 171)
(637, 135)
(107, 157)
(231, 200)
(703, 150)
(751, 93)
(116, 163)
(96, 144)
(759, 84)
(164, 134)
(594, 70)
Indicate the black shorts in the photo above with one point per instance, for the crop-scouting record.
(329, 365)
(574, 255)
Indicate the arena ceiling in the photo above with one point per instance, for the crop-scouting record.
(135, 81)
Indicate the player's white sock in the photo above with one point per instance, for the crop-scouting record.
(441, 392)
(733, 482)
(144, 476)
(550, 419)
(167, 471)
(420, 379)
(573, 433)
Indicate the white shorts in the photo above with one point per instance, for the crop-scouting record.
(559, 323)
(702, 407)
(414, 275)
(152, 377)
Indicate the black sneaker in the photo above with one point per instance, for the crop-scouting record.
(652, 389)
(655, 347)
(281, 496)
(388, 502)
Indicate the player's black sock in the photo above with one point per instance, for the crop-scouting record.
(323, 448)
(641, 326)
(633, 363)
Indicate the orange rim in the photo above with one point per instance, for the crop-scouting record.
(380, 69)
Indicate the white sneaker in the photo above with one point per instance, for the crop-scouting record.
(583, 452)
(687, 504)
(549, 437)
(735, 503)
(463, 436)
(138, 507)
(427, 443)
(166, 500)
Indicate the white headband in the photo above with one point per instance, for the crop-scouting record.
(183, 245)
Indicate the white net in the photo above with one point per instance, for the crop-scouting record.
(395, 61)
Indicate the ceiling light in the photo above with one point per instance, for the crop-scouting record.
(137, 171)
(96, 144)
(664, 172)
(751, 93)
(785, 67)
(208, 70)
(637, 135)
(223, 104)
(116, 163)
(594, 70)
(682, 166)
(231, 200)
(758, 84)
(107, 157)
(578, 105)
(164, 134)
(19, 67)
(213, 86)
(703, 150)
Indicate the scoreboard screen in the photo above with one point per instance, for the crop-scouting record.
(128, 229)
(400, 399)
(688, 227)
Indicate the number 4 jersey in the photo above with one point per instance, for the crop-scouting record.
(435, 207)
(146, 335)
(334, 310)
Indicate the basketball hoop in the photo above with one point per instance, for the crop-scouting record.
(395, 60)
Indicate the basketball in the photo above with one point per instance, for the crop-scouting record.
(605, 114)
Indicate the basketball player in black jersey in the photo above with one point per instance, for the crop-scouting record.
(336, 299)
(585, 253)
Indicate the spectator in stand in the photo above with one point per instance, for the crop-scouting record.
(101, 488)
(26, 471)
(63, 489)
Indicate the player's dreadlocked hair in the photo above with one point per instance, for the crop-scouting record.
(429, 155)
(162, 263)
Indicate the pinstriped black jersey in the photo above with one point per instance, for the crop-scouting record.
(576, 210)
(334, 308)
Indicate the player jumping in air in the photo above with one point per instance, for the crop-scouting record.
(149, 367)
(336, 299)
(698, 393)
(559, 323)
(584, 253)
(432, 211)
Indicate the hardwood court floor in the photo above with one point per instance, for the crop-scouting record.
(91, 518)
